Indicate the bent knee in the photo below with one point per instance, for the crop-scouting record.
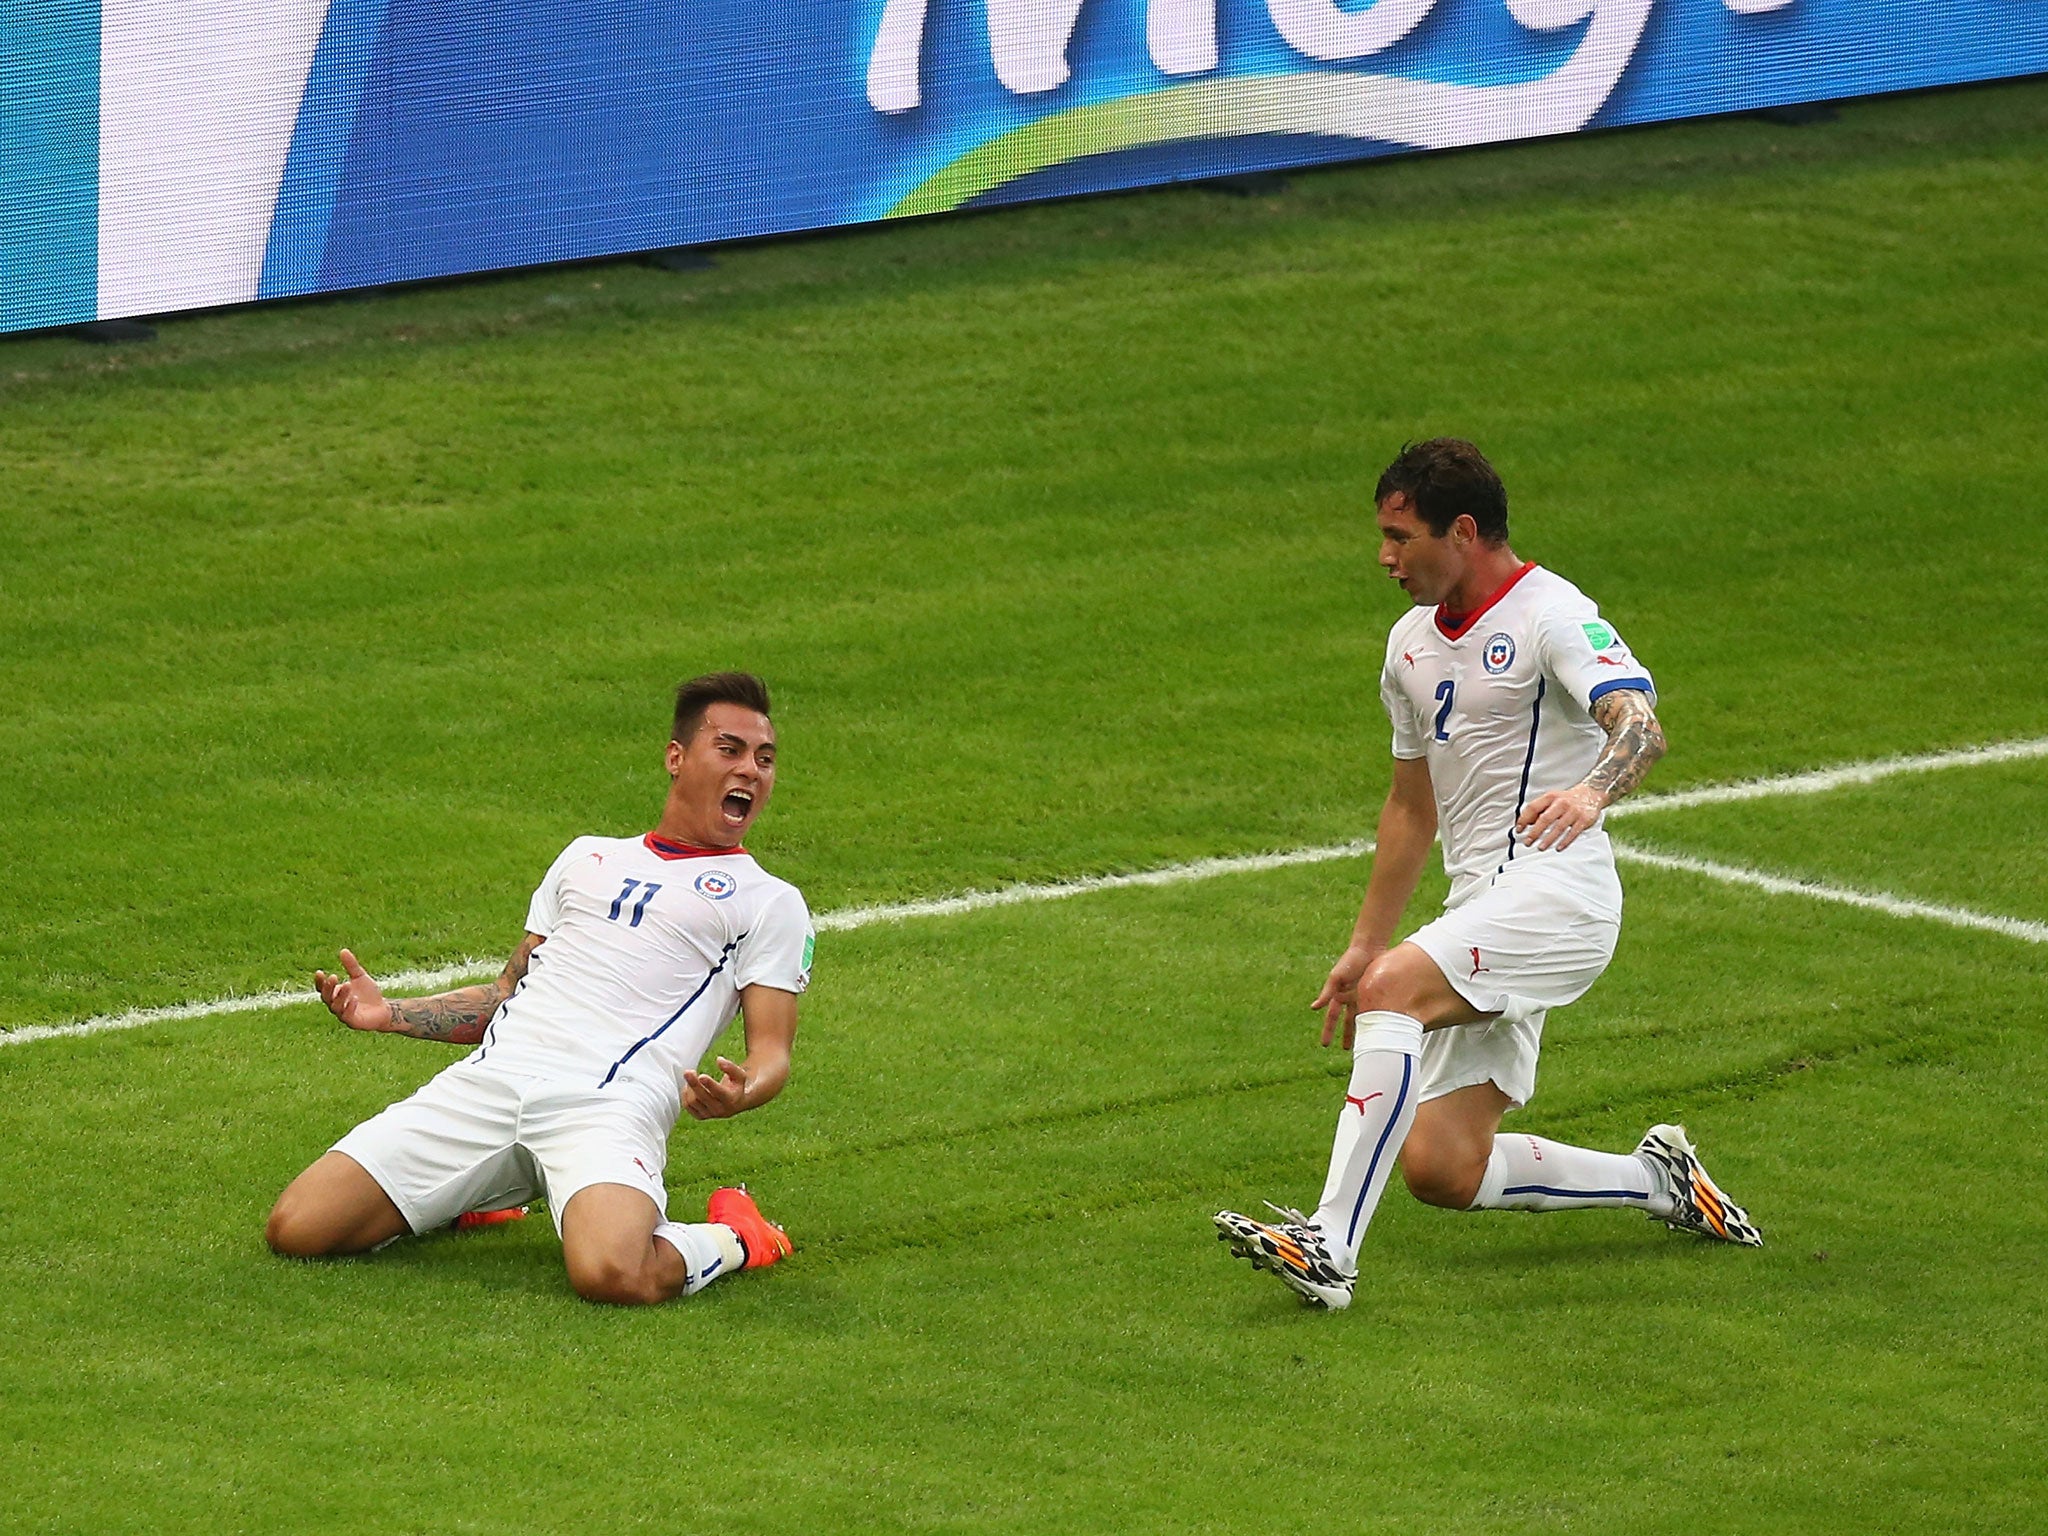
(1438, 1178)
(1395, 984)
(293, 1233)
(612, 1284)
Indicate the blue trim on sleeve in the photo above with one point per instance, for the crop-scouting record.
(1640, 684)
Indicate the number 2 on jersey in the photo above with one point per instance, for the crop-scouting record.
(639, 907)
(1445, 690)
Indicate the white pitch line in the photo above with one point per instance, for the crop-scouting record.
(848, 918)
(1821, 780)
(845, 919)
(255, 1002)
(1873, 901)
(1010, 895)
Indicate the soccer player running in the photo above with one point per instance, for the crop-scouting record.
(638, 951)
(1519, 716)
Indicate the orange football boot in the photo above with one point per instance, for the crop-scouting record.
(762, 1241)
(469, 1221)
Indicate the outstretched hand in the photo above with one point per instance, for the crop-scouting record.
(715, 1098)
(354, 998)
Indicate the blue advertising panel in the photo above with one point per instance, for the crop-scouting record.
(300, 146)
(49, 143)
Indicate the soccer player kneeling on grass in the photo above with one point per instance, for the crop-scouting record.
(638, 952)
(1519, 716)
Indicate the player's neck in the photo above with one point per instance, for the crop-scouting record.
(696, 834)
(1491, 568)
(675, 846)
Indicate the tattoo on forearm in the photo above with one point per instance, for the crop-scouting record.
(459, 1017)
(1634, 742)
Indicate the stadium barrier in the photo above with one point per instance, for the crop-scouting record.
(157, 159)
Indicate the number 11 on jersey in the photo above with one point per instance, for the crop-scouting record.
(639, 907)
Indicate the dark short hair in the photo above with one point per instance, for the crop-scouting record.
(700, 693)
(1444, 479)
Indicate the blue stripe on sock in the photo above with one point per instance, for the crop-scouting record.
(1400, 1101)
(1576, 1194)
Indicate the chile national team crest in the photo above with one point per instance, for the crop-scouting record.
(1499, 654)
(716, 884)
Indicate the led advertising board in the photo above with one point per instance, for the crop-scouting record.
(157, 158)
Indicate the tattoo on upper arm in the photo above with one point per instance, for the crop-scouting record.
(1634, 741)
(515, 968)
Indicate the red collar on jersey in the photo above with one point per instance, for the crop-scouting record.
(662, 848)
(1454, 625)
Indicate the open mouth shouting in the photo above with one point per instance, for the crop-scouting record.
(737, 807)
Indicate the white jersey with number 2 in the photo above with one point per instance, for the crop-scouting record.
(1497, 701)
(648, 948)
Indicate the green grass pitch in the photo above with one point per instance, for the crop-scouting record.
(330, 623)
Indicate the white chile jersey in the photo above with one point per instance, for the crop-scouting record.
(1497, 702)
(648, 947)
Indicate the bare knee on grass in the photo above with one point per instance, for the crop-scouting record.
(334, 1207)
(612, 1282)
(610, 1251)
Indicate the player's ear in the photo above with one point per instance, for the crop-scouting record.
(675, 757)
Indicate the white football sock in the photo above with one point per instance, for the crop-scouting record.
(709, 1249)
(1378, 1110)
(1527, 1173)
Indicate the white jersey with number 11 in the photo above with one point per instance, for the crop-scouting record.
(649, 945)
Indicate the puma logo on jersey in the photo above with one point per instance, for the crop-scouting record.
(1361, 1103)
(1609, 661)
(1476, 966)
(1409, 657)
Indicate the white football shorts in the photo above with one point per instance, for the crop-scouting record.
(475, 1139)
(1519, 943)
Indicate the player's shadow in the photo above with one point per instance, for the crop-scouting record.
(1546, 1251)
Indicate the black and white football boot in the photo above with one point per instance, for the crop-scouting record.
(1292, 1249)
(1698, 1202)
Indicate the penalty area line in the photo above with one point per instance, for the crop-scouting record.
(253, 1002)
(1840, 895)
(846, 919)
(1821, 780)
(841, 921)
(1012, 895)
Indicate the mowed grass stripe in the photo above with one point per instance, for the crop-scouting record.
(1819, 781)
